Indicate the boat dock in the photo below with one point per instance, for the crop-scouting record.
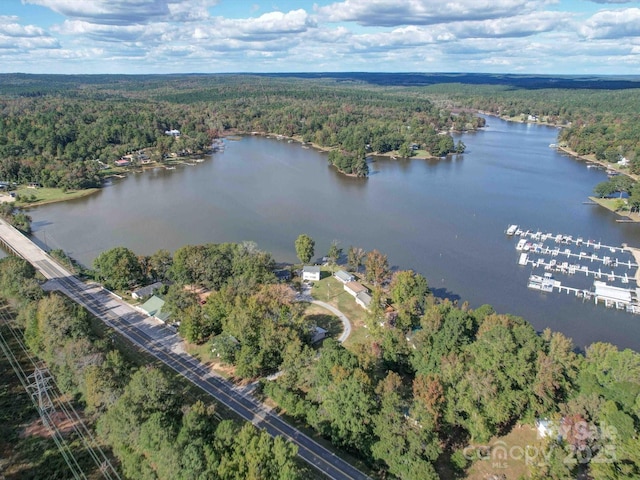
(559, 254)
(567, 240)
(571, 269)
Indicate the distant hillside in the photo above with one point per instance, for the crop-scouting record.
(530, 82)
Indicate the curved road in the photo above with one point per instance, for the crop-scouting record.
(346, 324)
(161, 342)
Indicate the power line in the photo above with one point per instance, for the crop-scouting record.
(45, 396)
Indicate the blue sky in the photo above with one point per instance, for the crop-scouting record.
(174, 36)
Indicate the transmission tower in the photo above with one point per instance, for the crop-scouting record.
(38, 387)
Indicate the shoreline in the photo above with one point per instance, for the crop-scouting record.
(636, 254)
(589, 159)
(392, 155)
(603, 163)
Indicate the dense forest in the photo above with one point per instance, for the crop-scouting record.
(60, 133)
(600, 122)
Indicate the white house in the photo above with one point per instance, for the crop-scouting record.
(311, 273)
(344, 277)
(354, 288)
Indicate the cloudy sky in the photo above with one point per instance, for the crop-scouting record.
(172, 36)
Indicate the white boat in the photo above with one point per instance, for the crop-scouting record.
(512, 229)
(521, 244)
(544, 284)
(523, 259)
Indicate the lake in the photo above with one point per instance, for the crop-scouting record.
(443, 218)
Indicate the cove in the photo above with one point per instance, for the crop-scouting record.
(443, 218)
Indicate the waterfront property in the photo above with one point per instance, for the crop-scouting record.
(153, 308)
(283, 274)
(343, 276)
(364, 300)
(146, 291)
(354, 288)
(311, 273)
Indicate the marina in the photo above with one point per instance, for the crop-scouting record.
(613, 270)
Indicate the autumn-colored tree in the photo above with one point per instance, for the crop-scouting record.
(376, 267)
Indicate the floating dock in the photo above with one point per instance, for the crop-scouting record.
(551, 254)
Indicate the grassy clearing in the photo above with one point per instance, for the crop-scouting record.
(332, 291)
(507, 455)
(613, 204)
(321, 317)
(42, 196)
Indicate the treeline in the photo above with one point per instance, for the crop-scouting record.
(142, 414)
(603, 123)
(56, 140)
(51, 132)
(53, 136)
(623, 189)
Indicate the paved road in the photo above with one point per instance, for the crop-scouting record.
(161, 342)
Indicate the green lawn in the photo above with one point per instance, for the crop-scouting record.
(332, 291)
(324, 319)
(41, 196)
(612, 203)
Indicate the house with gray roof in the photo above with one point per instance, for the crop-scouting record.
(146, 291)
(364, 300)
(344, 277)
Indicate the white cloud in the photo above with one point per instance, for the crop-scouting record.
(389, 13)
(269, 24)
(14, 36)
(101, 32)
(612, 24)
(612, 1)
(108, 12)
(128, 12)
(517, 26)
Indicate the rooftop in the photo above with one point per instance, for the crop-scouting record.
(344, 276)
(355, 287)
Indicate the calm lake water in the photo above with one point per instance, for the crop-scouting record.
(444, 218)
